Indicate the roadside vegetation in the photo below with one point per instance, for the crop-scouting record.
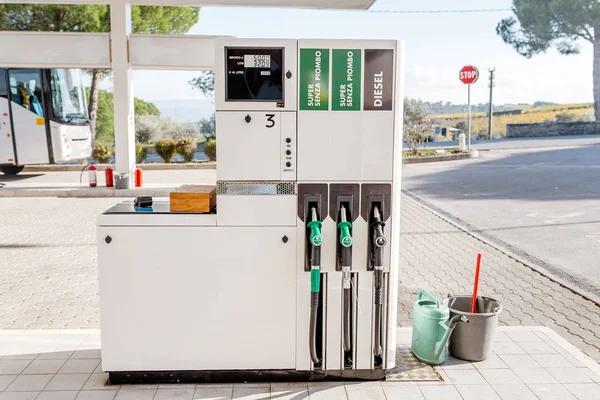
(553, 113)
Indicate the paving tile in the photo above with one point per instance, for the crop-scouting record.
(135, 394)
(465, 377)
(457, 363)
(58, 395)
(329, 391)
(6, 380)
(501, 337)
(492, 362)
(98, 382)
(573, 360)
(534, 375)
(584, 391)
(73, 366)
(31, 356)
(56, 355)
(514, 392)
(551, 392)
(87, 353)
(404, 392)
(96, 395)
(170, 385)
(19, 395)
(67, 382)
(520, 336)
(175, 394)
(502, 348)
(12, 367)
(139, 387)
(370, 391)
(519, 361)
(213, 393)
(552, 361)
(251, 393)
(571, 375)
(440, 392)
(500, 376)
(289, 392)
(43, 367)
(477, 392)
(27, 383)
(537, 348)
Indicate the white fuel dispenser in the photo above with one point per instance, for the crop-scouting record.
(296, 272)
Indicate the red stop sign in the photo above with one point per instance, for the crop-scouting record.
(469, 75)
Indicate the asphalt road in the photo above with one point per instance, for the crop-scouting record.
(545, 202)
(523, 143)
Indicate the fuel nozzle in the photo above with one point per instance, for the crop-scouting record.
(345, 247)
(315, 240)
(378, 242)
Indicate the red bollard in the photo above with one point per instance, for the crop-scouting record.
(109, 176)
(138, 177)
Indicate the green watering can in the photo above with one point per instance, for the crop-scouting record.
(431, 329)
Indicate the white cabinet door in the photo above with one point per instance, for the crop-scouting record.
(197, 298)
(249, 145)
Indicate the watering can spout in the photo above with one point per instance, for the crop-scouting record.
(441, 345)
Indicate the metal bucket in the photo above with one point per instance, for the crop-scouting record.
(473, 341)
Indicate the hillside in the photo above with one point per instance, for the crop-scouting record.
(527, 115)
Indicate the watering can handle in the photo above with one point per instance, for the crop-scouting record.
(424, 292)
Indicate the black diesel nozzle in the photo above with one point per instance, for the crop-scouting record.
(378, 242)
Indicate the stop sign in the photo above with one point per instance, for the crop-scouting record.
(469, 75)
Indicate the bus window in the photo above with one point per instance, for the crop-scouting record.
(69, 105)
(3, 89)
(26, 89)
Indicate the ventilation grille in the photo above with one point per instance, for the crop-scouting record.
(256, 188)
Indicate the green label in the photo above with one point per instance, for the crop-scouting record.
(314, 79)
(345, 79)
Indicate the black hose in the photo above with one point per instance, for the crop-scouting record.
(378, 312)
(314, 309)
(347, 319)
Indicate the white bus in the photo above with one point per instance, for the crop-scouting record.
(43, 118)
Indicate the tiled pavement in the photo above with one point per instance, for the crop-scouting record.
(66, 365)
(49, 274)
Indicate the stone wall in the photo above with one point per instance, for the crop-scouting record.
(552, 129)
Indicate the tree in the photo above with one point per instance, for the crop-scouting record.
(94, 18)
(205, 83)
(541, 24)
(207, 127)
(142, 107)
(417, 124)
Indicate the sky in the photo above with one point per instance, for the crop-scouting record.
(437, 47)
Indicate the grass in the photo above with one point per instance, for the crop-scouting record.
(479, 121)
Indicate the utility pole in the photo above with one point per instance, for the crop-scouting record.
(491, 113)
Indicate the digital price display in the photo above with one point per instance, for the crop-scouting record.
(257, 61)
(254, 74)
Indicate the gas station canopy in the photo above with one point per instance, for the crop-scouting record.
(319, 4)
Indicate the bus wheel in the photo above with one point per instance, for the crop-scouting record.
(11, 169)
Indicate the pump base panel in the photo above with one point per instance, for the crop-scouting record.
(242, 376)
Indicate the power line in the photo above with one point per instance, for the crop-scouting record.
(483, 10)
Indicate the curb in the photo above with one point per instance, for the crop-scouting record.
(85, 192)
(102, 167)
(453, 157)
(564, 279)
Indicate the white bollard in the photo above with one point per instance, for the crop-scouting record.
(462, 142)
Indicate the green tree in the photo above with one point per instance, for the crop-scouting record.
(94, 18)
(540, 24)
(142, 107)
(205, 83)
(105, 130)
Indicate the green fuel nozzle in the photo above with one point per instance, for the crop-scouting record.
(315, 225)
(344, 227)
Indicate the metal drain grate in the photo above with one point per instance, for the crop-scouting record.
(256, 188)
(409, 368)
